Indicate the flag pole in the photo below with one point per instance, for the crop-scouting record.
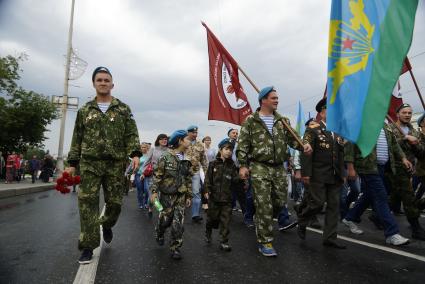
(417, 88)
(396, 125)
(289, 128)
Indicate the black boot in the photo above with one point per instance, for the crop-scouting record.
(417, 231)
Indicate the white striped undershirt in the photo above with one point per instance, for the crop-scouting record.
(382, 148)
(180, 156)
(268, 121)
(103, 106)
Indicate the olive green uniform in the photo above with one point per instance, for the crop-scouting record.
(264, 153)
(101, 144)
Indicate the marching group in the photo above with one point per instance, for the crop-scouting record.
(250, 167)
(13, 168)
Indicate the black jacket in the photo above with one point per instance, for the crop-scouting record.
(326, 163)
(221, 177)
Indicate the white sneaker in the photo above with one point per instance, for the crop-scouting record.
(397, 240)
(353, 227)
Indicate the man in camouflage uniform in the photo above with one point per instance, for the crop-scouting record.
(172, 181)
(420, 166)
(401, 184)
(372, 171)
(323, 173)
(105, 135)
(196, 155)
(261, 151)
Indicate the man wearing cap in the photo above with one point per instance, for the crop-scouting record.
(401, 185)
(105, 135)
(420, 166)
(196, 155)
(322, 172)
(261, 152)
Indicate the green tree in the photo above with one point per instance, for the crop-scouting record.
(24, 115)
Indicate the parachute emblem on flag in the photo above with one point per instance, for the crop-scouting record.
(226, 83)
(350, 45)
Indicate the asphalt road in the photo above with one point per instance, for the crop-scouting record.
(38, 244)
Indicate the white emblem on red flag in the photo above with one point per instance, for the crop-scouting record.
(228, 101)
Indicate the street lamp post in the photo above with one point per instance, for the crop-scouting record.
(64, 107)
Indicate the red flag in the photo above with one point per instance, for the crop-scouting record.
(406, 66)
(228, 101)
(396, 101)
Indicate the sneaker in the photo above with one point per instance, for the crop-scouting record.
(353, 227)
(175, 254)
(86, 256)
(288, 226)
(267, 249)
(225, 247)
(107, 235)
(396, 240)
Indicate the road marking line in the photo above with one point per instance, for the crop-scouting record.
(87, 272)
(379, 247)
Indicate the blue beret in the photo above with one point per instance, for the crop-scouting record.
(98, 70)
(177, 135)
(420, 119)
(226, 141)
(192, 128)
(265, 91)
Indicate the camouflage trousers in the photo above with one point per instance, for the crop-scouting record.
(270, 189)
(172, 215)
(402, 190)
(218, 215)
(109, 175)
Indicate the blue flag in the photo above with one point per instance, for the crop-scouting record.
(300, 127)
(368, 41)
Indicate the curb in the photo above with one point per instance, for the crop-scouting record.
(22, 191)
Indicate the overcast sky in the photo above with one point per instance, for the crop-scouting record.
(157, 53)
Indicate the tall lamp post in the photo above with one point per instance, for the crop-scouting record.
(60, 165)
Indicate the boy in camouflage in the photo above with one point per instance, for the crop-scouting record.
(221, 177)
(172, 181)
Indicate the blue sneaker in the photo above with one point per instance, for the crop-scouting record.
(267, 249)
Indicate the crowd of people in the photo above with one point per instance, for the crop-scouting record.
(252, 166)
(14, 167)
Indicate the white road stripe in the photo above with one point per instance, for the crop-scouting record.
(379, 247)
(87, 272)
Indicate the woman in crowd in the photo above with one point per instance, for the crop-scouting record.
(209, 151)
(152, 157)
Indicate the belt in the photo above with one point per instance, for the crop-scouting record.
(270, 164)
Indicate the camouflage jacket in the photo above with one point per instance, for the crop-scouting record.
(420, 165)
(196, 155)
(172, 175)
(326, 163)
(104, 136)
(369, 164)
(221, 177)
(411, 151)
(257, 144)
